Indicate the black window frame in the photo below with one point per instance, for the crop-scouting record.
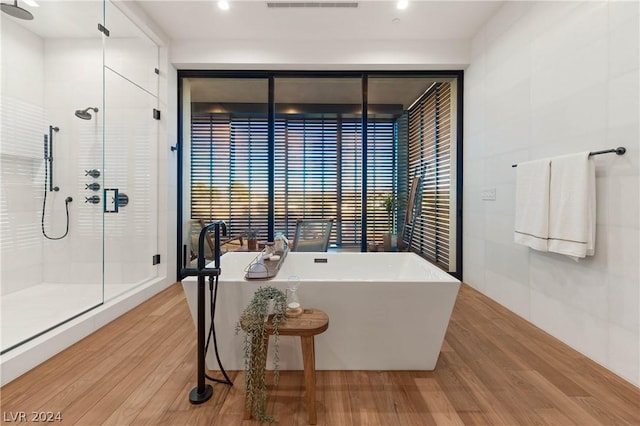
(458, 75)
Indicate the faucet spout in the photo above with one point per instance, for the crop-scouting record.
(217, 225)
(216, 249)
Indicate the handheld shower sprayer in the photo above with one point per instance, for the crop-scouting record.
(84, 113)
(48, 179)
(48, 155)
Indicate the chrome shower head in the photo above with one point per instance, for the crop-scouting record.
(16, 11)
(84, 113)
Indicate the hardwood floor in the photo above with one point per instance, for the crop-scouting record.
(494, 369)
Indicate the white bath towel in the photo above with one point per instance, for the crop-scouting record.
(532, 204)
(572, 206)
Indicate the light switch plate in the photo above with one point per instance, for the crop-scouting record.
(489, 194)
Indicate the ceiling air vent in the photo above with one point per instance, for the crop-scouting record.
(307, 4)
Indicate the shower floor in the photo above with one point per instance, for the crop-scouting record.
(28, 312)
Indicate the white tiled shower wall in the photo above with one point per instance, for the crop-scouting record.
(49, 80)
(73, 80)
(551, 78)
(21, 157)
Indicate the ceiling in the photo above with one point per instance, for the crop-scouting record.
(248, 20)
(371, 20)
(56, 19)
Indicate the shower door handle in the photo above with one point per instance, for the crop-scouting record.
(114, 199)
(110, 200)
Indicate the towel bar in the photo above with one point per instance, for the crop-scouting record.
(619, 150)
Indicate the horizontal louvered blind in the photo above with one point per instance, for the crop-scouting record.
(317, 169)
(430, 156)
(305, 171)
(381, 176)
(229, 171)
(351, 182)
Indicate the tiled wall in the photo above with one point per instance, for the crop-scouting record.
(21, 157)
(551, 78)
(73, 80)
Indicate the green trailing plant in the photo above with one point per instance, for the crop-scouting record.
(253, 322)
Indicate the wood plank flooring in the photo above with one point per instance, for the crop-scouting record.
(494, 369)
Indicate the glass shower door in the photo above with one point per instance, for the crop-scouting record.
(50, 238)
(131, 155)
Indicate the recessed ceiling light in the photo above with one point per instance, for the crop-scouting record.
(402, 4)
(223, 4)
(31, 3)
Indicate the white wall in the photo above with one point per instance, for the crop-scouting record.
(321, 54)
(545, 79)
(21, 157)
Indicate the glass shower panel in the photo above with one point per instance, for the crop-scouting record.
(131, 155)
(130, 192)
(50, 238)
(129, 52)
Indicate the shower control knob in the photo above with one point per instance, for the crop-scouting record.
(94, 199)
(92, 186)
(94, 173)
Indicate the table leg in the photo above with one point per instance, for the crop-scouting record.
(308, 359)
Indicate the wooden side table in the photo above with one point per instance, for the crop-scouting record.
(307, 325)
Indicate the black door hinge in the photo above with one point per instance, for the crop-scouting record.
(156, 259)
(103, 30)
(156, 114)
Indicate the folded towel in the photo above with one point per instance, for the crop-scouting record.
(572, 206)
(532, 204)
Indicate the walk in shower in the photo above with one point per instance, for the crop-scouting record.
(78, 164)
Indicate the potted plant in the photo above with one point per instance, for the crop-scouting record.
(252, 239)
(253, 322)
(390, 239)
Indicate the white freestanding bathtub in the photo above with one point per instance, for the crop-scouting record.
(387, 311)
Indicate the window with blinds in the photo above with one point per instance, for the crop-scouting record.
(306, 171)
(381, 177)
(430, 157)
(350, 202)
(317, 169)
(229, 171)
